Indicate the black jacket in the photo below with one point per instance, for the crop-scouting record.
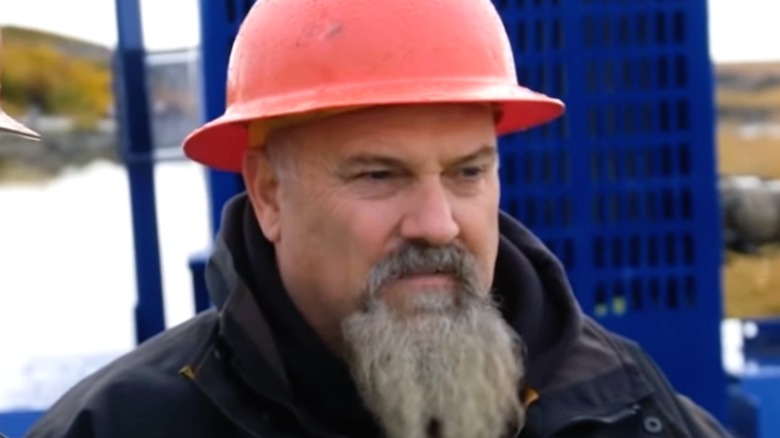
(241, 368)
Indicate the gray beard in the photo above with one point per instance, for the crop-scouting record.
(447, 366)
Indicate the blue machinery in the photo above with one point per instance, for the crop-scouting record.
(622, 189)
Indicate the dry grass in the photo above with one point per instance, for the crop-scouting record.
(749, 68)
(751, 284)
(758, 156)
(767, 99)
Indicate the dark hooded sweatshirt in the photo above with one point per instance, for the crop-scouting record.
(253, 367)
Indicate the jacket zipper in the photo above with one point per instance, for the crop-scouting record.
(604, 419)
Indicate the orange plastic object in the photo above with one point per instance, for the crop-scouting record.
(295, 57)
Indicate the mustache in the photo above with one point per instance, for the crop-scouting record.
(422, 259)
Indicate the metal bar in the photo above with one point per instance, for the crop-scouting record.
(197, 264)
(219, 22)
(135, 140)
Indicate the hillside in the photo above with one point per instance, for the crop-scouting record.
(62, 87)
(55, 75)
(72, 47)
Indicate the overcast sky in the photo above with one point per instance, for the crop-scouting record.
(740, 30)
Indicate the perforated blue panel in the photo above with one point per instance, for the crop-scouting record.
(623, 188)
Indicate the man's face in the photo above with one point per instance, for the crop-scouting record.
(385, 223)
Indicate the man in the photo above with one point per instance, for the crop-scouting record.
(366, 284)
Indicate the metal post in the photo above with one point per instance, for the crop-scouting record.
(136, 148)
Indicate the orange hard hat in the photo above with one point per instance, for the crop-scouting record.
(10, 126)
(301, 58)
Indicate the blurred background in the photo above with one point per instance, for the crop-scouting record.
(66, 226)
(67, 251)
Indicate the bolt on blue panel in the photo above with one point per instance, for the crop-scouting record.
(622, 189)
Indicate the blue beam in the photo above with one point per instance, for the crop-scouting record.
(136, 149)
(217, 29)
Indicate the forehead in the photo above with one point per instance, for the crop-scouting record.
(411, 128)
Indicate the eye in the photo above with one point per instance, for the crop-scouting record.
(471, 172)
(375, 175)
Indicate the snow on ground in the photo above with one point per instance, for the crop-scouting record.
(67, 275)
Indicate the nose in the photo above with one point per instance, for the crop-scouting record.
(428, 216)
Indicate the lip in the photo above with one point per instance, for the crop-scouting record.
(401, 293)
(421, 283)
(426, 281)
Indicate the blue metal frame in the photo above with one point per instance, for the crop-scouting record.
(682, 307)
(622, 189)
(555, 163)
(16, 424)
(642, 250)
(762, 348)
(218, 27)
(754, 395)
(754, 402)
(136, 148)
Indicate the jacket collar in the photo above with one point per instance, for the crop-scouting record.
(584, 378)
(240, 369)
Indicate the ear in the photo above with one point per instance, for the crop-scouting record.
(262, 185)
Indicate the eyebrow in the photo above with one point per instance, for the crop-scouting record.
(369, 159)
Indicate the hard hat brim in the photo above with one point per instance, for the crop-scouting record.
(221, 143)
(10, 126)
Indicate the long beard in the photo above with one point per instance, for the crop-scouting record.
(446, 366)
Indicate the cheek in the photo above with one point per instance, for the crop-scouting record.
(343, 239)
(478, 220)
(366, 231)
